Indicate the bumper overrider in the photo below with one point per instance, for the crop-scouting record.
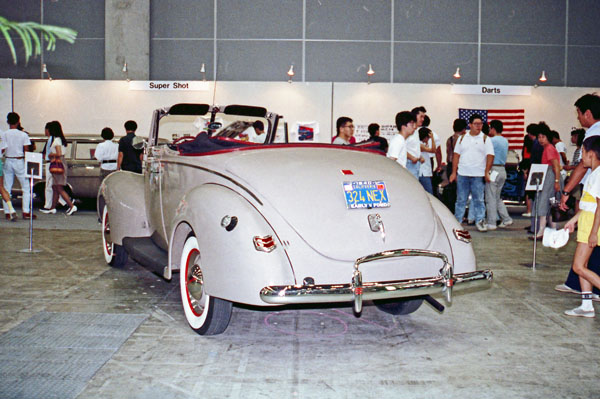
(357, 291)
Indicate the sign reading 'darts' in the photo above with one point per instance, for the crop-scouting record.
(490, 90)
(161, 85)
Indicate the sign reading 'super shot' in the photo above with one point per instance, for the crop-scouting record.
(365, 194)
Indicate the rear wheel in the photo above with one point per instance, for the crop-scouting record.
(205, 314)
(115, 255)
(399, 307)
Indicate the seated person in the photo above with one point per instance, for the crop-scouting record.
(255, 133)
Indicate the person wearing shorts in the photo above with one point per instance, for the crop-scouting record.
(588, 226)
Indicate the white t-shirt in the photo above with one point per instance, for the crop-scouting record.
(15, 139)
(593, 130)
(473, 151)
(560, 147)
(397, 149)
(340, 141)
(426, 168)
(591, 186)
(57, 142)
(107, 151)
(413, 145)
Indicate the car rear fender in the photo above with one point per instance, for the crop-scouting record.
(463, 257)
(233, 269)
(123, 192)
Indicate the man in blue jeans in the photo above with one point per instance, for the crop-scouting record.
(471, 164)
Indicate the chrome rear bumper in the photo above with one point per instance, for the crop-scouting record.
(356, 290)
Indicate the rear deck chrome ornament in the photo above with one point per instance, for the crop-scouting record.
(376, 224)
(264, 244)
(462, 235)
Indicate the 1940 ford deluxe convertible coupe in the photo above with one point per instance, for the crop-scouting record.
(269, 224)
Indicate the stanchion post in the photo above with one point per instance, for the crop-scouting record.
(535, 225)
(30, 249)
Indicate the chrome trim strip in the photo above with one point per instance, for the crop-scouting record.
(302, 294)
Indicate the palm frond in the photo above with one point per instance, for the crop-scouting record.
(32, 45)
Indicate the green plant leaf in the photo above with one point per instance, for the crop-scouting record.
(31, 43)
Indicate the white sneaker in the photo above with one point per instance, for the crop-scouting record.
(566, 288)
(526, 214)
(579, 312)
(44, 210)
(481, 226)
(505, 224)
(491, 226)
(72, 210)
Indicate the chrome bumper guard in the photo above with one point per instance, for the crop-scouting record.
(356, 291)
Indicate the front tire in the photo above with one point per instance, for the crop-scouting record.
(115, 255)
(399, 307)
(205, 315)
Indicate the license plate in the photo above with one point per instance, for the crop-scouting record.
(365, 194)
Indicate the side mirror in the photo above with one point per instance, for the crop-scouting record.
(138, 143)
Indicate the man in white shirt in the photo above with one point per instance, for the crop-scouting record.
(107, 153)
(406, 125)
(256, 133)
(413, 144)
(473, 158)
(12, 215)
(344, 129)
(17, 142)
(588, 114)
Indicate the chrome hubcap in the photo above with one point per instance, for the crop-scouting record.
(195, 284)
(106, 234)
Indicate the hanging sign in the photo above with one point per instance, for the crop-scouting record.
(163, 85)
(491, 90)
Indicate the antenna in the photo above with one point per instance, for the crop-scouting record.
(215, 80)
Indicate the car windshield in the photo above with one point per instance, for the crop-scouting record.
(238, 127)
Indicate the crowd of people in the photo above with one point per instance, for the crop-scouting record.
(15, 142)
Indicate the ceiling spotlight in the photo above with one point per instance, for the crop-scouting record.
(456, 74)
(291, 73)
(543, 77)
(370, 73)
(125, 70)
(45, 71)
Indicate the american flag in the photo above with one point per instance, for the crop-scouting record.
(513, 120)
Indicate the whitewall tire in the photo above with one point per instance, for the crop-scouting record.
(115, 255)
(205, 315)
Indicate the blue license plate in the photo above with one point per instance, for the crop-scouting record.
(365, 194)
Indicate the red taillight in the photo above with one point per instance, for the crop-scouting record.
(462, 235)
(264, 244)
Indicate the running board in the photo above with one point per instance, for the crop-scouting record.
(145, 252)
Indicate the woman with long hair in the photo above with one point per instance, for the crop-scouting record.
(57, 154)
(551, 183)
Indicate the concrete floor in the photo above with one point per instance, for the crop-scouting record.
(511, 341)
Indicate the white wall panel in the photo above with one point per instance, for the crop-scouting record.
(85, 107)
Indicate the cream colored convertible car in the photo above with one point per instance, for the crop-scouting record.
(270, 224)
